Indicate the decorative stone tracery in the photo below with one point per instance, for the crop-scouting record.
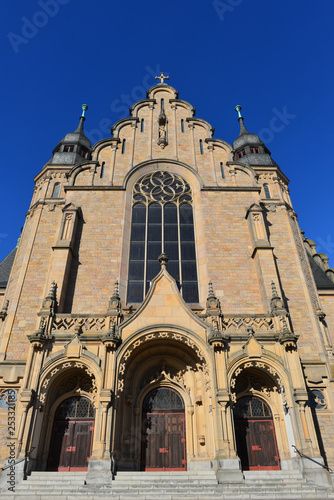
(202, 365)
(82, 381)
(244, 380)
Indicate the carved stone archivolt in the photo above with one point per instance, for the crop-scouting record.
(79, 379)
(201, 365)
(247, 378)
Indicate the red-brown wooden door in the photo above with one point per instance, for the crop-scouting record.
(72, 437)
(255, 435)
(256, 444)
(163, 436)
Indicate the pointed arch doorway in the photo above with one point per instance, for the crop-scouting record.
(163, 431)
(255, 434)
(72, 435)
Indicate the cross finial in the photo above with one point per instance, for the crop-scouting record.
(162, 77)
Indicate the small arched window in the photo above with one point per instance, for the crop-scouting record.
(75, 407)
(251, 407)
(56, 190)
(182, 125)
(222, 169)
(123, 146)
(201, 146)
(142, 125)
(266, 191)
(162, 103)
(102, 170)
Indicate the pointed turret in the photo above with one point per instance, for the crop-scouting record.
(248, 148)
(74, 147)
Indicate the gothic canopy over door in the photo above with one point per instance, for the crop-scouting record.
(163, 431)
(72, 435)
(255, 435)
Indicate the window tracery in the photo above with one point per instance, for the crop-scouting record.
(162, 221)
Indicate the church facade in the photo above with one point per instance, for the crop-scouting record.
(164, 311)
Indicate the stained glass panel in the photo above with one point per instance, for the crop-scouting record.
(76, 407)
(163, 398)
(251, 407)
(163, 224)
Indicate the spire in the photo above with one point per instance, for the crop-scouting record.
(274, 294)
(243, 129)
(115, 304)
(212, 303)
(79, 129)
(74, 147)
(248, 148)
(211, 294)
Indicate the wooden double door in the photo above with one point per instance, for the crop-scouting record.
(255, 435)
(72, 436)
(163, 432)
(71, 445)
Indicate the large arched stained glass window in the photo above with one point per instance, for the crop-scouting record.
(162, 221)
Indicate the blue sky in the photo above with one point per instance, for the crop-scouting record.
(275, 58)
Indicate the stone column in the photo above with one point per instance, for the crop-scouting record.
(173, 106)
(214, 175)
(100, 462)
(150, 135)
(191, 127)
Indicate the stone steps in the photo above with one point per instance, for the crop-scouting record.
(258, 485)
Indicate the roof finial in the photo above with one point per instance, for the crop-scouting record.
(211, 294)
(84, 108)
(274, 290)
(116, 289)
(163, 259)
(243, 129)
(162, 77)
(238, 109)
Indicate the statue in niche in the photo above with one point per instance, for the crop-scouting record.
(162, 120)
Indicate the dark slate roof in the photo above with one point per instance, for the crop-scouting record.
(321, 279)
(73, 138)
(247, 139)
(6, 267)
(257, 159)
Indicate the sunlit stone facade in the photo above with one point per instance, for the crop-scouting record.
(162, 311)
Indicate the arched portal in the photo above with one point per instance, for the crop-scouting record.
(163, 431)
(255, 434)
(72, 435)
(162, 360)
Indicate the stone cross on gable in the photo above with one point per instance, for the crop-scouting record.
(162, 77)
